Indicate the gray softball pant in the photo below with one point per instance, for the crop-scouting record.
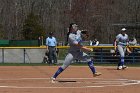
(122, 50)
(75, 55)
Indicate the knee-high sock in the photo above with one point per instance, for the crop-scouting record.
(91, 66)
(121, 63)
(60, 69)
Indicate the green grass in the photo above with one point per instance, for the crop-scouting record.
(62, 54)
(73, 64)
(23, 64)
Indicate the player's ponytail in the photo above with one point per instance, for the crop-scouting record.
(69, 31)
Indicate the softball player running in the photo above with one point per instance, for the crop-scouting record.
(76, 51)
(121, 43)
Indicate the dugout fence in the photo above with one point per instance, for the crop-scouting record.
(101, 54)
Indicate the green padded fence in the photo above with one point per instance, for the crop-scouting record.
(4, 43)
(23, 42)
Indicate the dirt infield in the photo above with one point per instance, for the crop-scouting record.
(75, 79)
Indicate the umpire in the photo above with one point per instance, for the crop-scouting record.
(51, 48)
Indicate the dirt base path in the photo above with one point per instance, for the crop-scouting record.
(75, 79)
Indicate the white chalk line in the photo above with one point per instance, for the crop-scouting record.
(60, 79)
(47, 87)
(101, 83)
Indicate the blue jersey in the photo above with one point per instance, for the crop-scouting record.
(51, 41)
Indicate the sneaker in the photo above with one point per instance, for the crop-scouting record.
(119, 68)
(97, 74)
(124, 67)
(53, 79)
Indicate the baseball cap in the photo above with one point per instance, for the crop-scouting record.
(123, 29)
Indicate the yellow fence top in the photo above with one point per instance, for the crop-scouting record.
(60, 47)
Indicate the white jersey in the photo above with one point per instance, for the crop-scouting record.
(122, 39)
(75, 38)
(133, 42)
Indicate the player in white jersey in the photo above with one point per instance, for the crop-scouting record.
(121, 44)
(76, 51)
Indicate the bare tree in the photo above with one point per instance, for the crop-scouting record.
(102, 18)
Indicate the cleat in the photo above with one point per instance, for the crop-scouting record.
(119, 68)
(124, 67)
(53, 80)
(97, 74)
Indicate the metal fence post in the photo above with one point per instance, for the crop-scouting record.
(24, 54)
(2, 55)
(133, 55)
(101, 55)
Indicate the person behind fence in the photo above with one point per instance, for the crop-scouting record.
(95, 42)
(132, 42)
(76, 51)
(114, 51)
(51, 44)
(121, 43)
(46, 57)
(90, 42)
(40, 40)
